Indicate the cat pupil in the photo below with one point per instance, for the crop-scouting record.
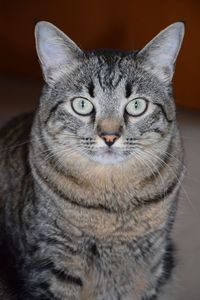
(82, 104)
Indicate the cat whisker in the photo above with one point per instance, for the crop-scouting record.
(178, 180)
(155, 175)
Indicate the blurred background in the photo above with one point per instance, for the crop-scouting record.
(123, 25)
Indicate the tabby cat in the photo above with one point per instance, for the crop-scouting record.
(89, 182)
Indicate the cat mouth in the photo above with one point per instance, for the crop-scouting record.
(108, 156)
(109, 151)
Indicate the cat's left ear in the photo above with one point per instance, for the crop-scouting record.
(159, 55)
(56, 51)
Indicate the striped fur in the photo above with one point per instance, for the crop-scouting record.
(74, 224)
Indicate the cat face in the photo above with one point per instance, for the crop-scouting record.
(107, 106)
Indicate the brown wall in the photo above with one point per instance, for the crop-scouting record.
(106, 23)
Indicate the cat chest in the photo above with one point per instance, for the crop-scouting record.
(109, 261)
(113, 271)
(102, 268)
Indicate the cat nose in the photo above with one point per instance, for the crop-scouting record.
(110, 138)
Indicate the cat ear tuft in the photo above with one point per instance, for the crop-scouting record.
(56, 51)
(159, 55)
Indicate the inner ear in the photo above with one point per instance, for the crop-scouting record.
(160, 54)
(56, 51)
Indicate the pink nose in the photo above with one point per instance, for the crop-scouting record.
(109, 139)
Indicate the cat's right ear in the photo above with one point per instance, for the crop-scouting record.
(57, 52)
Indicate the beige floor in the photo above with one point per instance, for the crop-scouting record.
(21, 95)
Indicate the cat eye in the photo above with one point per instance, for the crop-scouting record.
(82, 106)
(137, 107)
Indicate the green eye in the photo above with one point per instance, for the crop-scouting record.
(82, 106)
(137, 107)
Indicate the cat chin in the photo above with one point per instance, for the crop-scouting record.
(108, 158)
